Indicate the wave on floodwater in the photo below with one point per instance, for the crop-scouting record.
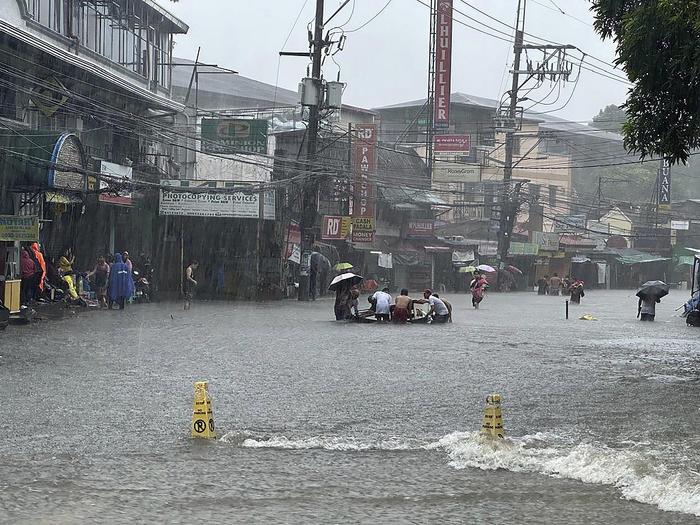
(637, 475)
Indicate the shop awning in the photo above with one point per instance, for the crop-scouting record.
(54, 197)
(640, 258)
(404, 198)
(438, 249)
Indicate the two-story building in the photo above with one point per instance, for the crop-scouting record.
(86, 120)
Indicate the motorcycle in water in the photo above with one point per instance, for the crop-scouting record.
(142, 288)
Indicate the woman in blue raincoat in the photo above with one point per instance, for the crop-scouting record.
(121, 284)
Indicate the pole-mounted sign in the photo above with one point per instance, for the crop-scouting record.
(665, 185)
(443, 64)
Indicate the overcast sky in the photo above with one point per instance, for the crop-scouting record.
(385, 62)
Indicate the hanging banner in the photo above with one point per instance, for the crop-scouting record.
(365, 167)
(443, 64)
(665, 185)
(292, 244)
(420, 229)
(19, 228)
(115, 173)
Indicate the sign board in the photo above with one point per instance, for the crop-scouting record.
(665, 185)
(443, 64)
(546, 241)
(67, 164)
(114, 174)
(453, 144)
(420, 229)
(234, 135)
(452, 172)
(569, 223)
(335, 227)
(292, 244)
(364, 159)
(523, 248)
(198, 199)
(680, 225)
(19, 228)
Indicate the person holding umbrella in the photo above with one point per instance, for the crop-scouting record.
(649, 294)
(343, 286)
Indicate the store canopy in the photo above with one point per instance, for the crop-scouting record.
(639, 257)
(404, 198)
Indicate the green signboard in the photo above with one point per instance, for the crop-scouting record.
(234, 135)
(523, 248)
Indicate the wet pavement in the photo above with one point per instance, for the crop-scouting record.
(324, 422)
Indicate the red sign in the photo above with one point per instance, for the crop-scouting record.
(365, 167)
(420, 228)
(443, 64)
(453, 143)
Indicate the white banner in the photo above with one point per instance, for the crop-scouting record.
(200, 203)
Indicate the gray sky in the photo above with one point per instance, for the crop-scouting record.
(386, 61)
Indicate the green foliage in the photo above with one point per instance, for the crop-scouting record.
(610, 118)
(658, 46)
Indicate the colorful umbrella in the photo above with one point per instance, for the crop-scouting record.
(485, 268)
(349, 279)
(343, 266)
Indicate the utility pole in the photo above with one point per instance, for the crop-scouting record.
(310, 188)
(508, 119)
(507, 209)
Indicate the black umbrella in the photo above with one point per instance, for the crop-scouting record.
(345, 279)
(653, 290)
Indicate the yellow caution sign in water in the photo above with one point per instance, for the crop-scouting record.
(202, 414)
(493, 417)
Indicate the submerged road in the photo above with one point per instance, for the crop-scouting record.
(324, 422)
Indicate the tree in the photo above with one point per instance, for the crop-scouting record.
(658, 46)
(610, 118)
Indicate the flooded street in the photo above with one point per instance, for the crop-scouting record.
(324, 422)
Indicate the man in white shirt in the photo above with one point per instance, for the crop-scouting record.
(382, 304)
(438, 309)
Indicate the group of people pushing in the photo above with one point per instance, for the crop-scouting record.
(386, 308)
(555, 285)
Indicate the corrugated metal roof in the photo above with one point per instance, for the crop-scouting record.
(546, 121)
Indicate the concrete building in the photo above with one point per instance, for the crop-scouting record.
(85, 107)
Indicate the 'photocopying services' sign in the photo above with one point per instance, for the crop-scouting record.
(193, 200)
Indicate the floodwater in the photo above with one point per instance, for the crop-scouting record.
(324, 422)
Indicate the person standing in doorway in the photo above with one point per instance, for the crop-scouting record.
(121, 285)
(190, 284)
